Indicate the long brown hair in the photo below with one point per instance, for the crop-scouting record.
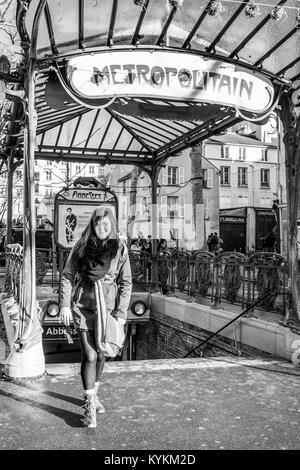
(89, 237)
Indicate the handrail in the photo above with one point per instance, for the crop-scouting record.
(232, 321)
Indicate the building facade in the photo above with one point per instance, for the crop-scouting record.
(248, 169)
(242, 173)
(50, 177)
(175, 207)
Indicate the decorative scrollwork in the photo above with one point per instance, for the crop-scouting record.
(267, 281)
(269, 266)
(203, 271)
(40, 266)
(232, 281)
(232, 277)
(137, 267)
(182, 268)
(266, 258)
(14, 259)
(163, 270)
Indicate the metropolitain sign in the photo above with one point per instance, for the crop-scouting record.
(160, 74)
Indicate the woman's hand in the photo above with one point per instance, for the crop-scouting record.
(66, 315)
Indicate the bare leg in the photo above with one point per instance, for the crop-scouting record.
(99, 366)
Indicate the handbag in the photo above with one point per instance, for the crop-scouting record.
(110, 335)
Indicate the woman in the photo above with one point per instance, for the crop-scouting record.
(162, 245)
(98, 255)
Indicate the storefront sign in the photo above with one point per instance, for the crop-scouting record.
(168, 75)
(265, 212)
(233, 220)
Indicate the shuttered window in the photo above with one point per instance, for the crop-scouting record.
(209, 178)
(206, 214)
(163, 206)
(181, 206)
(181, 174)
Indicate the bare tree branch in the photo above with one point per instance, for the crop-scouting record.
(7, 6)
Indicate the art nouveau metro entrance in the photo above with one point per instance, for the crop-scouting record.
(135, 82)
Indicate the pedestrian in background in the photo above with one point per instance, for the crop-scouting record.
(209, 242)
(214, 242)
(98, 266)
(140, 239)
(147, 255)
(162, 246)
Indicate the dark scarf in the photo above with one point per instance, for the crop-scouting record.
(96, 260)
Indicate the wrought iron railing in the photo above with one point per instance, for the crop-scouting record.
(47, 268)
(229, 277)
(13, 271)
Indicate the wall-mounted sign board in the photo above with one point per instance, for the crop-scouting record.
(73, 209)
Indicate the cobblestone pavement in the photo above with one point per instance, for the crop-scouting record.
(186, 404)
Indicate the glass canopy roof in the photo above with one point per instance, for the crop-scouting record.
(259, 36)
(262, 39)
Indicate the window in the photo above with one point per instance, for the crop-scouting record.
(101, 172)
(208, 176)
(36, 187)
(77, 169)
(265, 178)
(64, 175)
(91, 170)
(37, 176)
(172, 206)
(264, 155)
(172, 175)
(242, 153)
(163, 207)
(243, 200)
(181, 174)
(265, 201)
(225, 175)
(164, 176)
(48, 175)
(225, 201)
(242, 177)
(224, 152)
(205, 201)
(19, 174)
(49, 163)
(181, 206)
